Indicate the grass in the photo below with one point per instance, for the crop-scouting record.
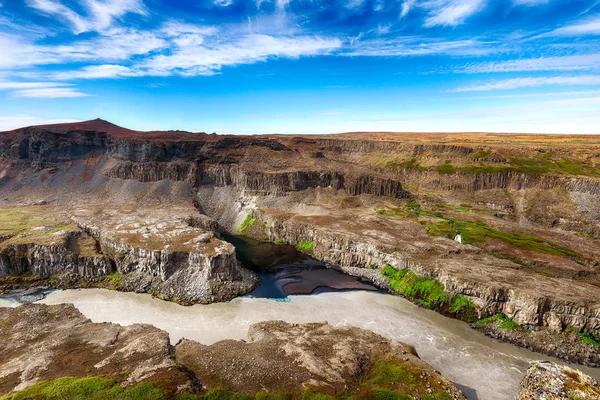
(247, 223)
(476, 232)
(91, 388)
(446, 168)
(407, 164)
(278, 241)
(32, 224)
(115, 279)
(587, 338)
(430, 293)
(482, 154)
(503, 322)
(536, 165)
(305, 246)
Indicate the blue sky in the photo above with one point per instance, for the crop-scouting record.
(303, 66)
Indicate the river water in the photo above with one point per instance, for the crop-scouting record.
(481, 367)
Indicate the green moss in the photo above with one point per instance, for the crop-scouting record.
(430, 293)
(446, 168)
(92, 388)
(386, 394)
(386, 372)
(503, 322)
(516, 260)
(115, 279)
(407, 164)
(305, 246)
(587, 338)
(473, 232)
(272, 396)
(482, 154)
(312, 394)
(278, 241)
(247, 223)
(381, 212)
(440, 228)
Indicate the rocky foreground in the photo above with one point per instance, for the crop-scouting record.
(55, 351)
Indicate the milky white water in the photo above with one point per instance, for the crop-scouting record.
(481, 367)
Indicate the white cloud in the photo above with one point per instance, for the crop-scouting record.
(515, 83)
(48, 93)
(407, 5)
(40, 89)
(100, 13)
(450, 12)
(53, 7)
(223, 3)
(588, 26)
(206, 58)
(96, 72)
(565, 63)
(415, 46)
(530, 2)
(115, 44)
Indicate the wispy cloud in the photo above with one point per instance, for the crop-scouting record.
(450, 12)
(407, 5)
(515, 83)
(588, 26)
(49, 93)
(40, 89)
(416, 46)
(100, 13)
(565, 63)
(530, 2)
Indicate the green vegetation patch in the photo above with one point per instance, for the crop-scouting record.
(305, 246)
(587, 338)
(476, 232)
(32, 224)
(247, 223)
(91, 388)
(503, 322)
(115, 279)
(446, 168)
(430, 293)
(406, 164)
(482, 154)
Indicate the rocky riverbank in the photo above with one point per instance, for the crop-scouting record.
(56, 348)
(549, 381)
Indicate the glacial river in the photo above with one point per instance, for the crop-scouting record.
(481, 367)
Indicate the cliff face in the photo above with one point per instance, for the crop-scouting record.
(61, 257)
(187, 264)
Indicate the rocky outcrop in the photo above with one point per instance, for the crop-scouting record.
(285, 357)
(210, 272)
(46, 343)
(548, 381)
(42, 342)
(60, 257)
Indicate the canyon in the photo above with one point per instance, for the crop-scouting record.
(92, 204)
